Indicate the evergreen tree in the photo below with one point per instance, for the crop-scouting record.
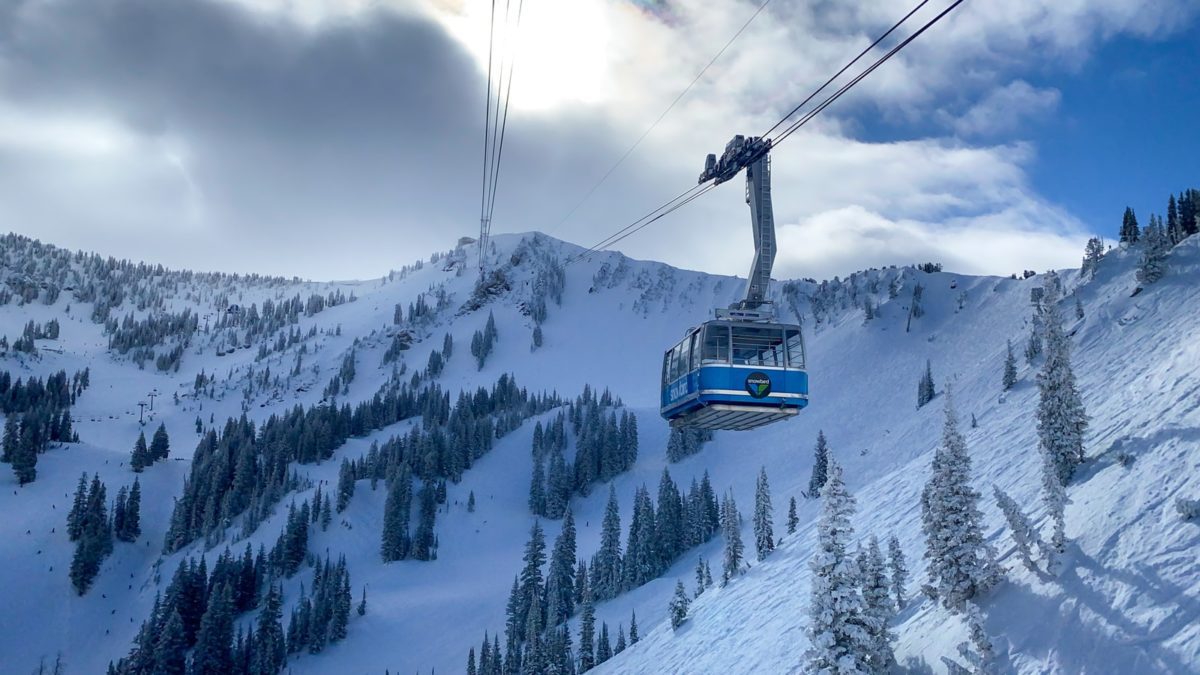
(131, 522)
(633, 629)
(961, 564)
(24, 458)
(1092, 254)
(75, 517)
(170, 651)
(764, 541)
(925, 389)
(1174, 230)
(396, 513)
(531, 598)
(12, 437)
(792, 519)
(731, 528)
(603, 645)
(345, 486)
(677, 609)
(471, 502)
(1010, 367)
(606, 565)
(1129, 227)
(1061, 418)
(1153, 264)
(1054, 495)
(270, 646)
(560, 584)
(160, 444)
(837, 632)
(620, 646)
(587, 634)
(878, 608)
(213, 655)
(140, 458)
(1024, 535)
(537, 487)
(898, 569)
(820, 470)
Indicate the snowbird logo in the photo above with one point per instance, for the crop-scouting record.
(758, 384)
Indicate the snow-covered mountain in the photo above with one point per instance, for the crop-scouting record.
(214, 347)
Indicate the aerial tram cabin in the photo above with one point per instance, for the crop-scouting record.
(743, 369)
(734, 375)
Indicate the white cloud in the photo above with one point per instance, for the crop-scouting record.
(1003, 110)
(302, 115)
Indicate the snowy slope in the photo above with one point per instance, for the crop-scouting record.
(1125, 600)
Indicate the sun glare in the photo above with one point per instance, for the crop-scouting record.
(562, 49)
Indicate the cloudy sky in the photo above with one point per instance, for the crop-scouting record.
(343, 138)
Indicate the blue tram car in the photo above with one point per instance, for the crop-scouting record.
(734, 375)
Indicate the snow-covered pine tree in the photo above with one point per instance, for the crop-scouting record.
(537, 486)
(820, 470)
(1034, 345)
(925, 388)
(839, 641)
(1024, 535)
(160, 444)
(140, 459)
(531, 590)
(1061, 418)
(764, 541)
(603, 645)
(1054, 496)
(677, 609)
(878, 608)
(633, 629)
(899, 571)
(1155, 246)
(961, 564)
(606, 564)
(731, 528)
(1092, 253)
(977, 650)
(699, 576)
(1010, 367)
(587, 634)
(560, 582)
(792, 519)
(1129, 227)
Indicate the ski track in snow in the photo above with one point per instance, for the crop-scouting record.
(1127, 602)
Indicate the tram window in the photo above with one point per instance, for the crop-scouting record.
(666, 371)
(757, 346)
(716, 344)
(685, 357)
(694, 339)
(795, 349)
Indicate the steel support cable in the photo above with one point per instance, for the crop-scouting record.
(680, 205)
(671, 206)
(849, 85)
(846, 67)
(504, 122)
(662, 116)
(487, 121)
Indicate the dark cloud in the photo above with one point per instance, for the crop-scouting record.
(364, 135)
